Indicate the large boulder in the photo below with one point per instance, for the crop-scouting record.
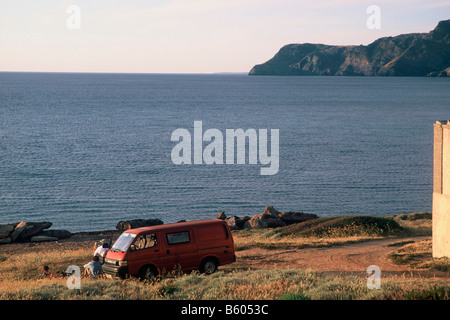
(272, 218)
(221, 216)
(272, 212)
(236, 223)
(18, 230)
(33, 228)
(268, 219)
(58, 234)
(255, 223)
(5, 230)
(137, 223)
(263, 220)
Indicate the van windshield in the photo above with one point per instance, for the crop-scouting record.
(123, 242)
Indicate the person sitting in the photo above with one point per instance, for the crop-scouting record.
(101, 251)
(152, 241)
(93, 268)
(46, 272)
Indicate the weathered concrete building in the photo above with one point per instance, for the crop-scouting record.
(441, 190)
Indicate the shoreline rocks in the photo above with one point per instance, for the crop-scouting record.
(237, 223)
(17, 231)
(5, 230)
(30, 232)
(33, 228)
(23, 231)
(137, 223)
(270, 218)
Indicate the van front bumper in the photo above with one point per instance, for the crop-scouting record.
(115, 271)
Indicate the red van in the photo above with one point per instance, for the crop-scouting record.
(149, 251)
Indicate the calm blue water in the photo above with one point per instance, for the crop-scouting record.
(87, 150)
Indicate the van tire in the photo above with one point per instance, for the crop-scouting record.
(148, 273)
(209, 266)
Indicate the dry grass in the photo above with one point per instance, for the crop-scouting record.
(415, 223)
(234, 285)
(29, 265)
(20, 273)
(418, 255)
(267, 239)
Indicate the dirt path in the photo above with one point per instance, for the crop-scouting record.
(344, 259)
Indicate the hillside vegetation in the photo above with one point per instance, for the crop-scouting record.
(329, 231)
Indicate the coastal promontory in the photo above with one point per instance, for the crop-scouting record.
(414, 55)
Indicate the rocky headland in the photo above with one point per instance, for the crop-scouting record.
(414, 54)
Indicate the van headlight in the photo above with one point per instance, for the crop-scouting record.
(122, 263)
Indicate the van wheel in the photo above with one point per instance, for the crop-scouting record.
(148, 273)
(209, 266)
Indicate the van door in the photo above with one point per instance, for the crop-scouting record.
(145, 250)
(180, 250)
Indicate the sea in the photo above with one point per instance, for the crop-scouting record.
(85, 151)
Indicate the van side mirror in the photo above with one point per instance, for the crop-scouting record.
(133, 247)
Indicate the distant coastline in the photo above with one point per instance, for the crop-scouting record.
(413, 55)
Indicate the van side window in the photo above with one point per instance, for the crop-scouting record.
(178, 237)
(145, 241)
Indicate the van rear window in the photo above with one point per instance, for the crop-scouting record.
(178, 237)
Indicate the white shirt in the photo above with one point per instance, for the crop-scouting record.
(100, 251)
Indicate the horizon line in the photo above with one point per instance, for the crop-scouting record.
(143, 73)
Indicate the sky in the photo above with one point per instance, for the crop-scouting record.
(190, 36)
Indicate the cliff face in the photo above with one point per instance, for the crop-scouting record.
(415, 54)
